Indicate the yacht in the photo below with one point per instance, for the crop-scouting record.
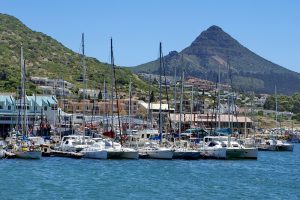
(75, 143)
(212, 148)
(234, 150)
(274, 145)
(95, 151)
(116, 151)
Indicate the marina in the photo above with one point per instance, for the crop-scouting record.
(170, 100)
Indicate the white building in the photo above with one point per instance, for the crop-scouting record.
(34, 108)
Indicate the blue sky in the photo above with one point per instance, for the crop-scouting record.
(270, 28)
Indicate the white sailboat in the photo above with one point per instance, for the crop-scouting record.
(183, 152)
(23, 147)
(153, 149)
(114, 149)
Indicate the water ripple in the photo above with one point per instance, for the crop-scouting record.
(275, 175)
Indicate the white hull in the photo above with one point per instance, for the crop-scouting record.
(28, 154)
(159, 154)
(265, 147)
(97, 154)
(241, 153)
(250, 153)
(213, 153)
(2, 153)
(276, 147)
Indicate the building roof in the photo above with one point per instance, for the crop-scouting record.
(155, 106)
(42, 100)
(7, 99)
(205, 118)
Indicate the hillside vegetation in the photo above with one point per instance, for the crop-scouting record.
(47, 57)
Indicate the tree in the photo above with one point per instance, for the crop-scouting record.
(152, 97)
(100, 95)
(80, 96)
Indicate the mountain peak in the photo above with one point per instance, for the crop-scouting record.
(214, 36)
(214, 28)
(214, 49)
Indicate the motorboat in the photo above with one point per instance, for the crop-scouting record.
(234, 150)
(75, 143)
(275, 145)
(212, 148)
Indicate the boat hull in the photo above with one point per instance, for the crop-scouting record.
(160, 154)
(285, 147)
(28, 154)
(2, 153)
(121, 154)
(267, 148)
(101, 154)
(213, 153)
(130, 155)
(187, 155)
(241, 153)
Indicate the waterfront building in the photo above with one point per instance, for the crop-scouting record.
(35, 107)
(208, 121)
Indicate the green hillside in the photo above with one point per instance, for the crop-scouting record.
(47, 57)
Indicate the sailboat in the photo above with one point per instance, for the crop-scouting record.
(24, 148)
(114, 149)
(273, 144)
(234, 150)
(182, 151)
(152, 149)
(88, 147)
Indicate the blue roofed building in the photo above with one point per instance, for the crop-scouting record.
(35, 108)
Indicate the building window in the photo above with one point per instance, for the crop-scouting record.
(1, 107)
(45, 108)
(9, 107)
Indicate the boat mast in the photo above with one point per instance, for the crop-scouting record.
(116, 91)
(276, 107)
(175, 92)
(149, 120)
(23, 92)
(181, 97)
(105, 106)
(219, 99)
(112, 84)
(192, 106)
(84, 82)
(129, 107)
(160, 91)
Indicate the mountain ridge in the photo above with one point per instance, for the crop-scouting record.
(214, 48)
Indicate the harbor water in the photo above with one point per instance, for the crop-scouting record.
(275, 175)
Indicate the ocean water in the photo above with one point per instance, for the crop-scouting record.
(275, 175)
